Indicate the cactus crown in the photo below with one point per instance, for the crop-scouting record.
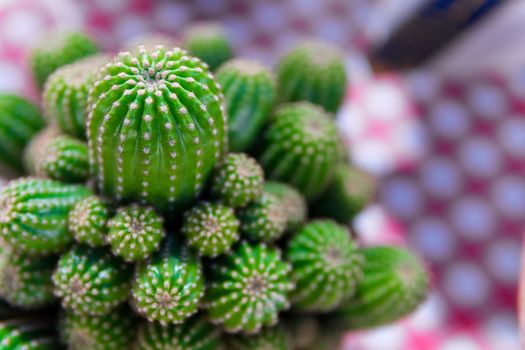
(88, 219)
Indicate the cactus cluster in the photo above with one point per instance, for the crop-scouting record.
(165, 208)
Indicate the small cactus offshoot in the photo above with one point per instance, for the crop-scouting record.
(87, 221)
(208, 41)
(274, 338)
(36, 149)
(248, 288)
(292, 201)
(27, 335)
(238, 180)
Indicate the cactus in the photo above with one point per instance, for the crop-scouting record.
(59, 49)
(395, 283)
(135, 232)
(238, 180)
(170, 285)
(194, 334)
(248, 288)
(211, 229)
(156, 128)
(20, 120)
(301, 147)
(25, 281)
(292, 201)
(150, 41)
(36, 148)
(33, 214)
(114, 331)
(274, 338)
(315, 72)
(208, 41)
(348, 194)
(327, 266)
(27, 335)
(66, 92)
(91, 281)
(302, 330)
(264, 220)
(249, 93)
(87, 221)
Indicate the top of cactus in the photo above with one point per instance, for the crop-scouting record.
(79, 72)
(245, 66)
(205, 28)
(320, 53)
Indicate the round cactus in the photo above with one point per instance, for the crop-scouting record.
(249, 93)
(150, 41)
(327, 266)
(194, 334)
(348, 194)
(27, 335)
(292, 201)
(114, 331)
(25, 281)
(36, 149)
(87, 221)
(20, 120)
(211, 228)
(208, 41)
(66, 93)
(156, 128)
(395, 283)
(170, 285)
(248, 288)
(274, 338)
(301, 148)
(57, 50)
(264, 220)
(33, 214)
(315, 72)
(91, 281)
(238, 180)
(135, 232)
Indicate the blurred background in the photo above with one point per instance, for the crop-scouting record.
(436, 110)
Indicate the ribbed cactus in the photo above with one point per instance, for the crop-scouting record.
(350, 191)
(395, 283)
(150, 41)
(91, 281)
(194, 334)
(33, 214)
(249, 93)
(292, 201)
(156, 127)
(20, 120)
(300, 147)
(313, 71)
(25, 281)
(211, 229)
(327, 266)
(114, 331)
(170, 285)
(208, 41)
(135, 232)
(57, 50)
(248, 288)
(27, 335)
(36, 148)
(238, 180)
(274, 338)
(87, 221)
(66, 93)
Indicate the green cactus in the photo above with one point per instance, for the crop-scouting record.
(20, 120)
(264, 220)
(211, 229)
(274, 338)
(27, 335)
(36, 148)
(194, 334)
(66, 93)
(313, 71)
(348, 194)
(169, 286)
(238, 180)
(114, 331)
(135, 232)
(249, 93)
(33, 214)
(91, 281)
(150, 41)
(156, 128)
(208, 41)
(25, 281)
(327, 266)
(247, 289)
(59, 49)
(395, 283)
(292, 201)
(88, 219)
(300, 147)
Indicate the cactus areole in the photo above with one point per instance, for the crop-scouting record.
(156, 127)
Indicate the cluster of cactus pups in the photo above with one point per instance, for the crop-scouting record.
(165, 208)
